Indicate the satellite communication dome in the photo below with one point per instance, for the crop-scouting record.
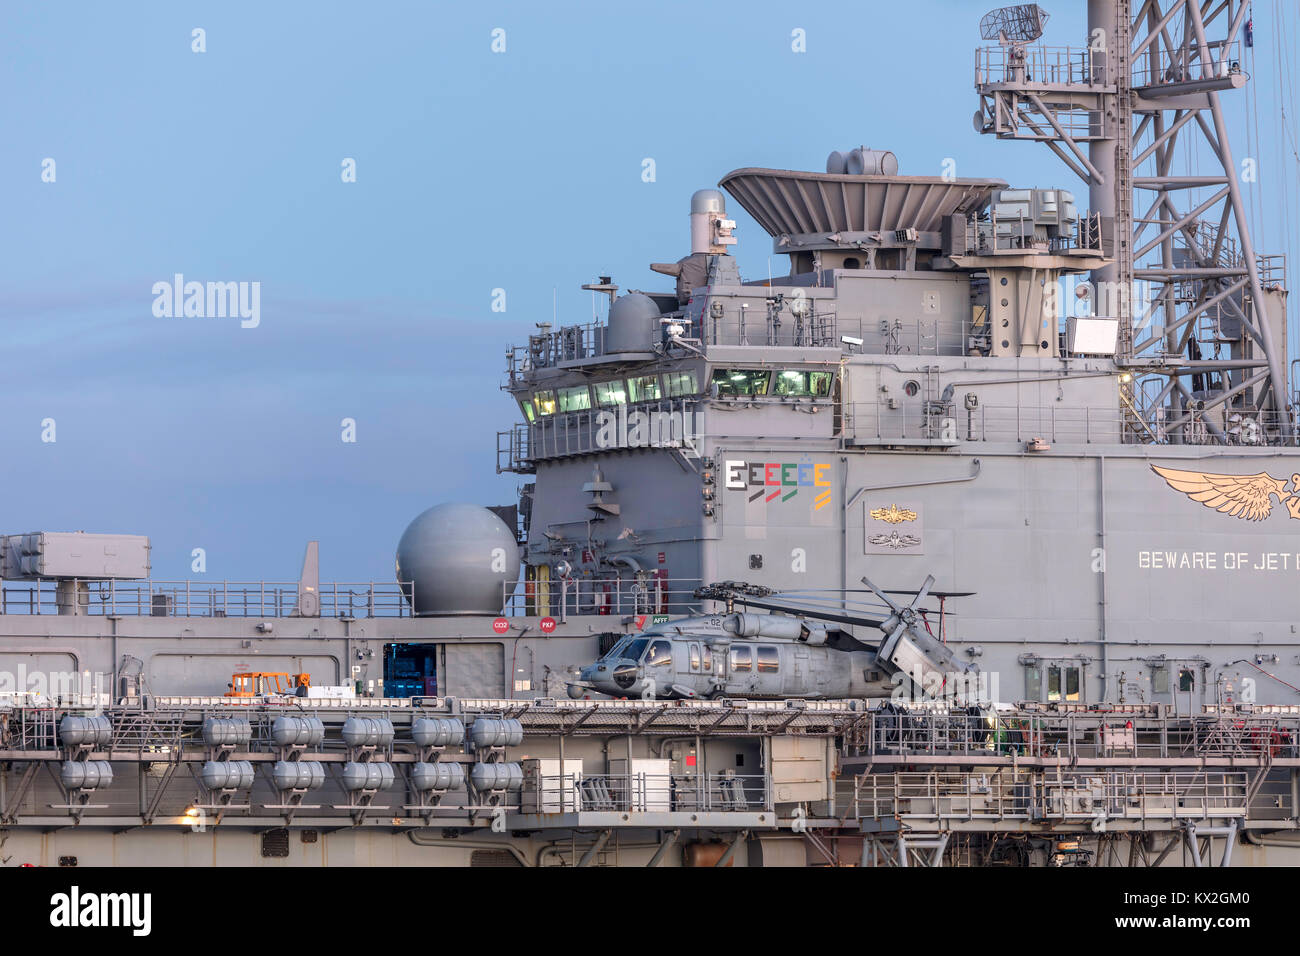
(633, 324)
(460, 558)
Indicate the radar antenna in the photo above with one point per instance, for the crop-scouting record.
(1016, 24)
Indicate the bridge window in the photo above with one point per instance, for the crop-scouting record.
(527, 406)
(677, 384)
(545, 402)
(769, 661)
(803, 382)
(661, 654)
(740, 659)
(643, 388)
(611, 393)
(739, 381)
(575, 399)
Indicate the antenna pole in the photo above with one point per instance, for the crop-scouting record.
(1113, 111)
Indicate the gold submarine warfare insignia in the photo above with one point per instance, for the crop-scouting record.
(893, 514)
(1243, 496)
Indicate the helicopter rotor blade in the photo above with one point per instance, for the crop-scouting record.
(882, 595)
(925, 589)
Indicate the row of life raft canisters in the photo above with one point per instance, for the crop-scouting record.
(291, 731)
(86, 732)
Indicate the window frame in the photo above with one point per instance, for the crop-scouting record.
(633, 398)
(670, 389)
(806, 388)
(753, 372)
(647, 662)
(537, 402)
(560, 401)
(606, 385)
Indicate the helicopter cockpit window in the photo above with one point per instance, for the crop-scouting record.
(661, 654)
(769, 661)
(739, 381)
(802, 382)
(627, 650)
(707, 659)
(695, 657)
(740, 659)
(611, 393)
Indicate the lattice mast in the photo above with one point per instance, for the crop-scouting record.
(1164, 68)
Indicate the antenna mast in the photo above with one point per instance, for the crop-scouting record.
(1180, 235)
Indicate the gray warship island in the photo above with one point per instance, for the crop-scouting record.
(968, 541)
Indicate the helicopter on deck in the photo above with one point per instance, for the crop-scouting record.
(801, 649)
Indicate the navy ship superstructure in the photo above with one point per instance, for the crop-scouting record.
(967, 540)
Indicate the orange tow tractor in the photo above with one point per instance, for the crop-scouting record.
(267, 684)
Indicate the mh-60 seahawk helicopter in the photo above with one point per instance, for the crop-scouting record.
(799, 651)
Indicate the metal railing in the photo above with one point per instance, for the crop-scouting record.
(1162, 66)
(610, 592)
(548, 349)
(676, 425)
(668, 423)
(1073, 797)
(1272, 270)
(1047, 65)
(202, 599)
(1051, 423)
(985, 423)
(1015, 234)
(769, 326)
(1084, 66)
(1074, 736)
(649, 793)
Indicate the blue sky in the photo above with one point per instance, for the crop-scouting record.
(475, 171)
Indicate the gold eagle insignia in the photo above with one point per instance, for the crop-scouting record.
(1243, 496)
(893, 514)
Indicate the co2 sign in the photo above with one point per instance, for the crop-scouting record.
(501, 625)
(547, 625)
